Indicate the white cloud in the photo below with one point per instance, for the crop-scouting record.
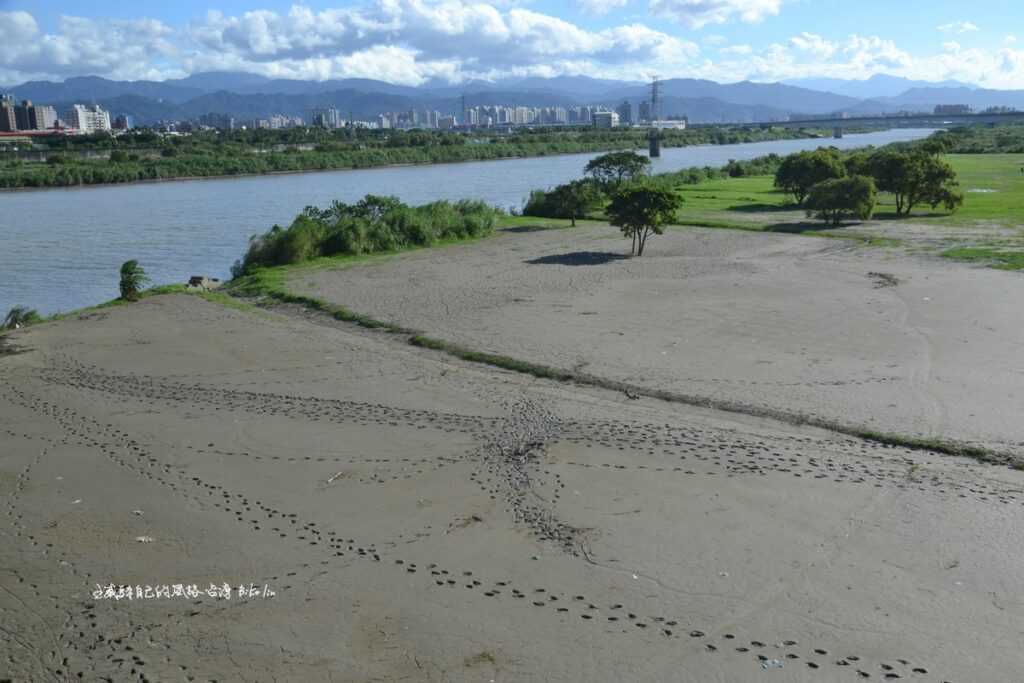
(601, 7)
(958, 27)
(1010, 40)
(815, 44)
(951, 46)
(699, 13)
(413, 41)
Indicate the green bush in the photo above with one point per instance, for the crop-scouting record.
(374, 224)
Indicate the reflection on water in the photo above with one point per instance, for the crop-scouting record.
(61, 249)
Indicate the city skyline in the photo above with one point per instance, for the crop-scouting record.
(412, 42)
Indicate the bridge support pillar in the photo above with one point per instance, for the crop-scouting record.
(837, 133)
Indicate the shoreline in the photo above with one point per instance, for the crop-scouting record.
(229, 176)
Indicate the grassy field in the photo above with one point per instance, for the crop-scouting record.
(988, 228)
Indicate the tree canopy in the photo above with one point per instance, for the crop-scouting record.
(640, 211)
(614, 168)
(574, 199)
(839, 198)
(916, 177)
(799, 172)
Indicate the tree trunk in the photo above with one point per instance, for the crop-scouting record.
(632, 249)
(572, 219)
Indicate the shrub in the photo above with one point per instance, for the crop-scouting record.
(133, 278)
(20, 316)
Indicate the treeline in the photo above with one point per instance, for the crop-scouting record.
(256, 152)
(374, 224)
(1000, 139)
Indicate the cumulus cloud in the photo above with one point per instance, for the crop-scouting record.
(958, 27)
(700, 13)
(815, 44)
(415, 41)
(121, 49)
(601, 7)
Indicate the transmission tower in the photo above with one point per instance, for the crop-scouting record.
(654, 135)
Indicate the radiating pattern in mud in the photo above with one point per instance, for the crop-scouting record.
(508, 463)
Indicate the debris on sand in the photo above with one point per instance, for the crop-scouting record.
(144, 539)
(884, 279)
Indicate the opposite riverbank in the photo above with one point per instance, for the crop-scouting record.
(214, 163)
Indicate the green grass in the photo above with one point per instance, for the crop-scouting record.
(726, 201)
(992, 256)
(999, 172)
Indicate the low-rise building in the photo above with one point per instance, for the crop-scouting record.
(605, 119)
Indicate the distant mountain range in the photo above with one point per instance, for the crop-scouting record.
(248, 96)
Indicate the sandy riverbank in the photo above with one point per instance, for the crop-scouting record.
(875, 338)
(426, 520)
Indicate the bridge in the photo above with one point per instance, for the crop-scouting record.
(839, 123)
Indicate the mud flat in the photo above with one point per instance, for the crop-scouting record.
(422, 519)
(873, 338)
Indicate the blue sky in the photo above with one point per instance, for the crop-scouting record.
(410, 41)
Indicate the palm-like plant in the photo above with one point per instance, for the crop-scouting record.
(20, 316)
(133, 278)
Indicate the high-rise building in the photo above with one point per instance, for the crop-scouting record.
(645, 111)
(218, 121)
(625, 112)
(325, 118)
(88, 118)
(45, 117)
(124, 122)
(8, 122)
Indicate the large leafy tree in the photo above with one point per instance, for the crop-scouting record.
(916, 178)
(615, 168)
(133, 279)
(640, 211)
(839, 198)
(798, 173)
(574, 199)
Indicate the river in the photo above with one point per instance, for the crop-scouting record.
(60, 249)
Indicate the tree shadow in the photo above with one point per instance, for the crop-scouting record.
(764, 208)
(577, 258)
(536, 227)
(804, 226)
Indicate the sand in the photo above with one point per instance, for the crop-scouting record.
(422, 519)
(870, 338)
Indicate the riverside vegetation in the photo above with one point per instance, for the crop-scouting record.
(146, 156)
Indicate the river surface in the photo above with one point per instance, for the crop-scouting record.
(61, 249)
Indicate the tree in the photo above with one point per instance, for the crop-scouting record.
(838, 198)
(916, 178)
(20, 316)
(612, 169)
(640, 211)
(133, 277)
(798, 173)
(575, 198)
